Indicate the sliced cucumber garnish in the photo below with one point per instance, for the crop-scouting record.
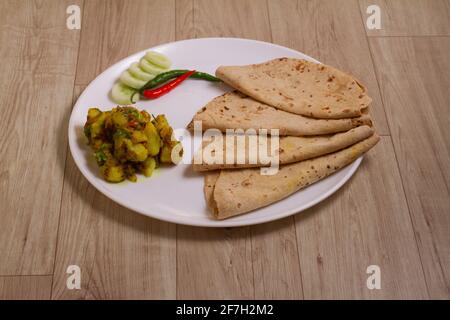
(150, 67)
(121, 94)
(158, 59)
(131, 81)
(137, 72)
(125, 91)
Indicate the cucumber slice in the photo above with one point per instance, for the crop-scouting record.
(121, 94)
(131, 81)
(137, 72)
(150, 67)
(158, 59)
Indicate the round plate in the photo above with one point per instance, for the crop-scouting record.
(175, 193)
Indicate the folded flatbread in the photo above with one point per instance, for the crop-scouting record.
(208, 189)
(234, 110)
(300, 87)
(232, 192)
(289, 149)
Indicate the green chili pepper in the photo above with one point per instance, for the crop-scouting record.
(204, 76)
(166, 76)
(162, 90)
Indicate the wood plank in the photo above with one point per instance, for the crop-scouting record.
(275, 261)
(126, 27)
(333, 33)
(38, 55)
(410, 17)
(214, 263)
(234, 260)
(232, 18)
(25, 287)
(414, 79)
(184, 20)
(122, 255)
(365, 223)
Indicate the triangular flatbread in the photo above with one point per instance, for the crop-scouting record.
(288, 150)
(234, 192)
(299, 86)
(234, 110)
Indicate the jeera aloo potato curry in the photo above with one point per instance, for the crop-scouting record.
(127, 141)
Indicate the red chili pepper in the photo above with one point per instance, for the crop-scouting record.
(158, 92)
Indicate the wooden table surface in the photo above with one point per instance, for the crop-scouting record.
(394, 212)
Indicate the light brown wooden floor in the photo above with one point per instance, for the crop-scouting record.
(395, 211)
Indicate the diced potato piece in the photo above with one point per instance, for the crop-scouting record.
(120, 148)
(165, 155)
(138, 136)
(97, 127)
(167, 150)
(166, 133)
(93, 113)
(108, 121)
(154, 141)
(148, 166)
(113, 173)
(136, 152)
(126, 150)
(119, 119)
(161, 122)
(165, 130)
(130, 173)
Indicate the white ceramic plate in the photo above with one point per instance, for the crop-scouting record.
(175, 194)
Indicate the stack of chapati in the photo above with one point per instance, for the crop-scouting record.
(323, 121)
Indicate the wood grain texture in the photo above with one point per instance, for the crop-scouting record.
(184, 21)
(114, 29)
(25, 287)
(276, 267)
(414, 76)
(410, 17)
(38, 55)
(122, 255)
(365, 223)
(214, 263)
(232, 18)
(333, 33)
